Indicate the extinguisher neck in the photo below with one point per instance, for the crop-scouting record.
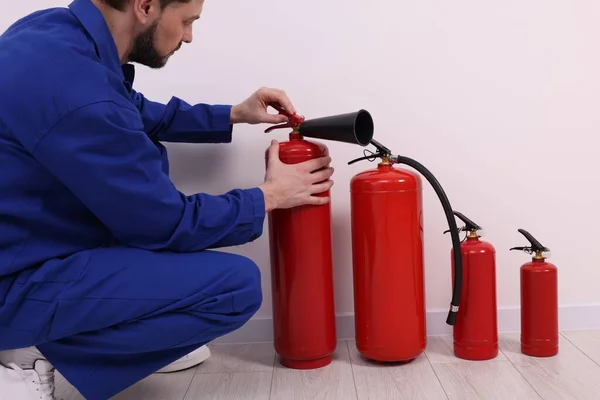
(473, 235)
(385, 160)
(295, 135)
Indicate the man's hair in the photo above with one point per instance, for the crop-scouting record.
(120, 4)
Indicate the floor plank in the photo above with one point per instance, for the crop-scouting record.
(570, 375)
(259, 357)
(160, 387)
(586, 341)
(252, 372)
(230, 386)
(156, 387)
(484, 380)
(415, 380)
(333, 382)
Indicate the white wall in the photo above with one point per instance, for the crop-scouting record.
(473, 90)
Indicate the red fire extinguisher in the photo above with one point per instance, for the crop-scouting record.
(387, 255)
(476, 328)
(539, 301)
(300, 241)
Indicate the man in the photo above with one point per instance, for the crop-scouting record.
(107, 272)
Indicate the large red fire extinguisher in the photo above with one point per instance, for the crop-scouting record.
(387, 256)
(476, 330)
(300, 241)
(539, 301)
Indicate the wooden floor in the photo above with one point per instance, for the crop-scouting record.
(251, 372)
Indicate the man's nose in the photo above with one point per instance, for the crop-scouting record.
(188, 37)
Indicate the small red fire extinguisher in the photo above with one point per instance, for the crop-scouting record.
(300, 241)
(539, 301)
(387, 258)
(476, 328)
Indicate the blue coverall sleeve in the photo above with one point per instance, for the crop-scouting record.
(101, 153)
(178, 121)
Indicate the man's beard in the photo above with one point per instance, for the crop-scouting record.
(144, 52)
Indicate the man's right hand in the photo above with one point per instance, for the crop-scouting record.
(292, 185)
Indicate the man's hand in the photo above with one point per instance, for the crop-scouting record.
(254, 109)
(292, 185)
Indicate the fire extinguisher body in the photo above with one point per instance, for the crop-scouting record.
(539, 301)
(387, 255)
(302, 273)
(539, 308)
(476, 328)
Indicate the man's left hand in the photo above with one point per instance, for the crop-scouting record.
(254, 109)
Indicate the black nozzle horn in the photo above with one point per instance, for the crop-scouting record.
(535, 244)
(356, 128)
(469, 225)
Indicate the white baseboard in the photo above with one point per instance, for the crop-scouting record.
(509, 320)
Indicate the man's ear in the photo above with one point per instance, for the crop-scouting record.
(146, 11)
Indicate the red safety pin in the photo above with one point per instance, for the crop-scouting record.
(294, 119)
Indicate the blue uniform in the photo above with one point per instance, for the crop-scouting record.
(104, 265)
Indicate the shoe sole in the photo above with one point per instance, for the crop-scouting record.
(188, 362)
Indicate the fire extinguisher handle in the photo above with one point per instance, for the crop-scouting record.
(371, 157)
(469, 225)
(536, 246)
(294, 120)
(521, 248)
(384, 151)
(459, 230)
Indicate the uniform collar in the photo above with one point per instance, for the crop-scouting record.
(94, 23)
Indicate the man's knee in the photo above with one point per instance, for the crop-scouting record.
(250, 278)
(243, 284)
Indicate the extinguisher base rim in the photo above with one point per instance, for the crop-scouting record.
(538, 351)
(306, 364)
(475, 353)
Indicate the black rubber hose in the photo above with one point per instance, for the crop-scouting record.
(451, 320)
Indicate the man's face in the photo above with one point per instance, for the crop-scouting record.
(166, 34)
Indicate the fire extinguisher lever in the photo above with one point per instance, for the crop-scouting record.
(523, 248)
(382, 149)
(536, 247)
(369, 155)
(470, 226)
(294, 120)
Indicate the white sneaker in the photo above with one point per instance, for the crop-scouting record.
(27, 384)
(192, 359)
